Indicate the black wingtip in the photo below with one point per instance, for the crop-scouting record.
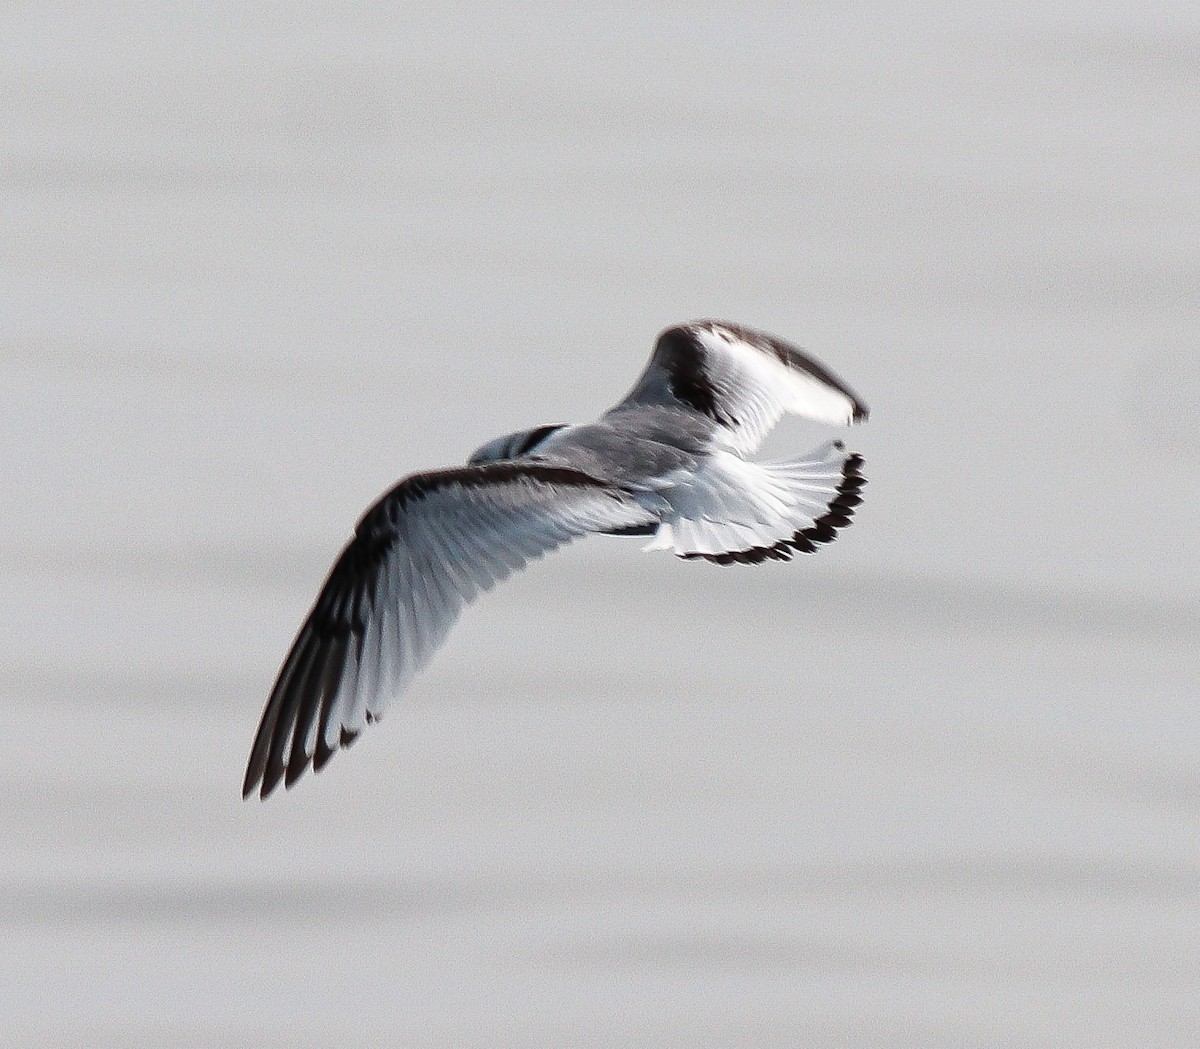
(254, 775)
(322, 754)
(256, 785)
(272, 779)
(295, 769)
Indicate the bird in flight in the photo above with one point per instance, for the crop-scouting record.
(669, 462)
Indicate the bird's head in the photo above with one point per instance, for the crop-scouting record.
(511, 445)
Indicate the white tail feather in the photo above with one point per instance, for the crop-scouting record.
(735, 510)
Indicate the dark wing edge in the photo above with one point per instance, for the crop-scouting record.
(681, 368)
(789, 355)
(339, 653)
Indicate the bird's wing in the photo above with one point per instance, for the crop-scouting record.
(743, 380)
(418, 557)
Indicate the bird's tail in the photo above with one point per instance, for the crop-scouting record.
(737, 512)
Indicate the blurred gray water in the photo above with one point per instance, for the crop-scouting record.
(935, 787)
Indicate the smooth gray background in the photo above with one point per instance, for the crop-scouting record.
(936, 786)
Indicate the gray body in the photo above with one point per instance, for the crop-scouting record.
(632, 446)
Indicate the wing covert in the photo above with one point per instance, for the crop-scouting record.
(743, 380)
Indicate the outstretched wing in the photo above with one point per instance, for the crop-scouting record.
(743, 380)
(418, 557)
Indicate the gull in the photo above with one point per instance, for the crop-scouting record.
(669, 462)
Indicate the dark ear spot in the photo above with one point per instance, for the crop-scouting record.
(535, 437)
